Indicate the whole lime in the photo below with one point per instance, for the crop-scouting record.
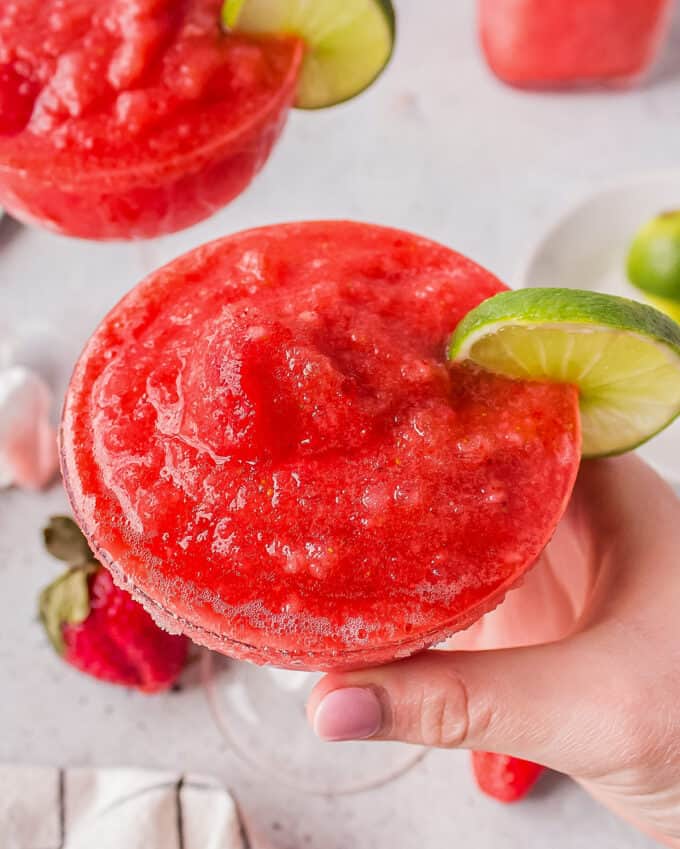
(654, 257)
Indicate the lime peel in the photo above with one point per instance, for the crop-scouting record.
(230, 13)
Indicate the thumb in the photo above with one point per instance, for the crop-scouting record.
(524, 702)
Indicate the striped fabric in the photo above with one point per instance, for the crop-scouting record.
(47, 808)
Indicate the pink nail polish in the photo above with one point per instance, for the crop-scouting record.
(353, 713)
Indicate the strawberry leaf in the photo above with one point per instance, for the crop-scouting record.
(65, 541)
(65, 601)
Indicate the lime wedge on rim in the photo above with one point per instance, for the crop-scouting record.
(349, 42)
(623, 356)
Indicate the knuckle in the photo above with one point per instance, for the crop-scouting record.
(639, 724)
(444, 714)
(640, 731)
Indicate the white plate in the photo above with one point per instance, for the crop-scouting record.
(586, 249)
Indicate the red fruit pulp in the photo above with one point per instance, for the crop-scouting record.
(537, 43)
(264, 439)
(503, 777)
(133, 118)
(120, 643)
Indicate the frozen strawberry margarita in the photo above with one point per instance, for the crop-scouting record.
(264, 443)
(133, 118)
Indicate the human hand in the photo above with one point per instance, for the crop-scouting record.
(585, 672)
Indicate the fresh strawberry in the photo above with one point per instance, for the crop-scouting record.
(504, 778)
(97, 627)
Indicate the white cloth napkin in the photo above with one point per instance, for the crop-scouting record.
(49, 808)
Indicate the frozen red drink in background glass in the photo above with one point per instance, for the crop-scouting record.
(133, 118)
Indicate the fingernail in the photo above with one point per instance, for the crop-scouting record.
(353, 713)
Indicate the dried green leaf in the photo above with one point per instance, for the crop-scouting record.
(65, 601)
(65, 541)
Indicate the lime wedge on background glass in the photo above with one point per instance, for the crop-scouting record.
(349, 42)
(654, 262)
(623, 356)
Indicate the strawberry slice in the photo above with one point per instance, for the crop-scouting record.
(503, 777)
(97, 627)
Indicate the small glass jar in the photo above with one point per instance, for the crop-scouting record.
(572, 43)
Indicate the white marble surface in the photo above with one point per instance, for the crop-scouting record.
(439, 147)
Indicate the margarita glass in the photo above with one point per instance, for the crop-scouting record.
(266, 445)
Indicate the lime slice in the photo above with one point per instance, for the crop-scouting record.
(349, 42)
(622, 355)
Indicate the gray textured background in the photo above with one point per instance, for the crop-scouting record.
(439, 147)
